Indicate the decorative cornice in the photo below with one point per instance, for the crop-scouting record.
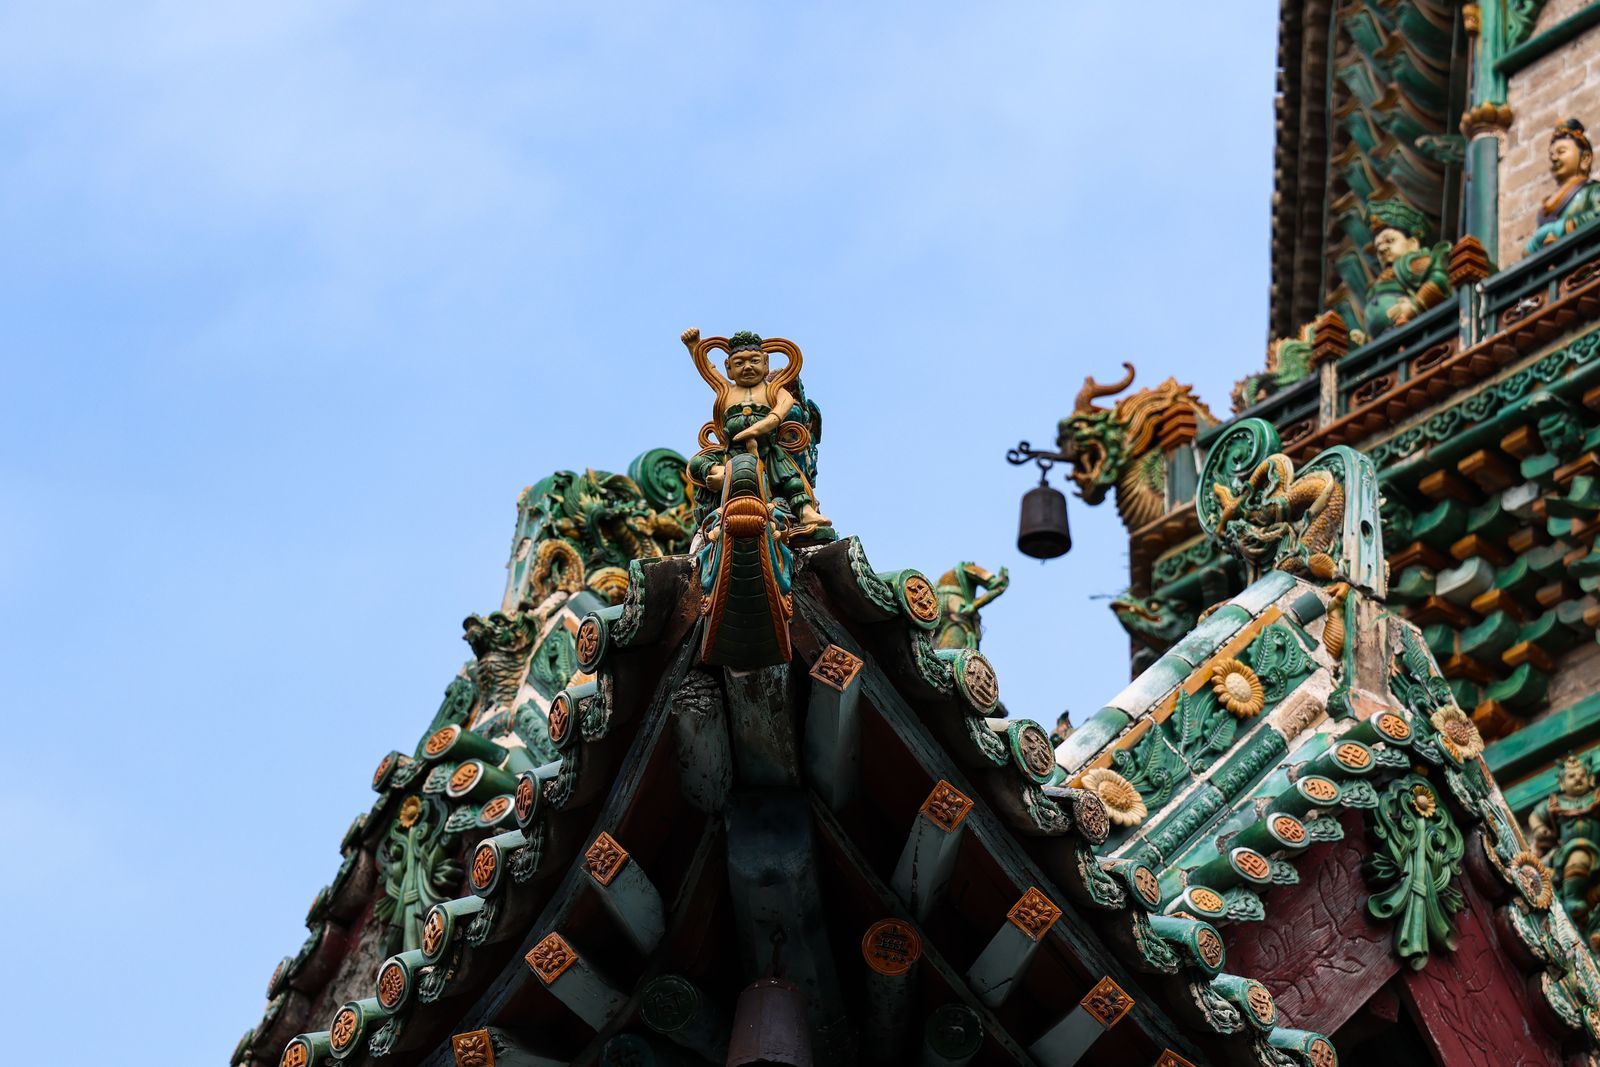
(1469, 261)
(1484, 403)
(1330, 338)
(1460, 368)
(1486, 118)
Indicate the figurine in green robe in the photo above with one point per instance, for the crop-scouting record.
(1577, 196)
(1566, 829)
(1414, 279)
(756, 412)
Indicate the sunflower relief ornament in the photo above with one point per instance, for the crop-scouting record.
(1238, 689)
(1566, 832)
(1577, 196)
(1124, 805)
(1414, 278)
(1457, 733)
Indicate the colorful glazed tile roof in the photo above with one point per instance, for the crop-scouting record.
(571, 871)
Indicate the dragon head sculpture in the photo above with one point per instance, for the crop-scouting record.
(1155, 622)
(1125, 446)
(501, 643)
(1093, 439)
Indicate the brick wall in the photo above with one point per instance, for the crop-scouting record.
(1577, 676)
(1565, 83)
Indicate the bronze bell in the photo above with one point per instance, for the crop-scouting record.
(1043, 532)
(769, 1026)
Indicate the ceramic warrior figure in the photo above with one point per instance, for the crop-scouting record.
(1566, 831)
(959, 601)
(756, 412)
(1577, 196)
(1414, 278)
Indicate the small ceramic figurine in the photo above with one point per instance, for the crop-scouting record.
(1566, 831)
(960, 601)
(1577, 196)
(755, 412)
(1288, 361)
(1063, 730)
(1414, 279)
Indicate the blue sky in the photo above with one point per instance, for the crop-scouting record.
(296, 297)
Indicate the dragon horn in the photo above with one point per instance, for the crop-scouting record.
(1092, 389)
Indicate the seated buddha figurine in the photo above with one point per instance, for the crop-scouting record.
(1577, 196)
(751, 405)
(1414, 279)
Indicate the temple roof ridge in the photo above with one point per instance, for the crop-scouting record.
(1299, 710)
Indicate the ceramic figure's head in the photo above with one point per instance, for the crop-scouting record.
(1392, 244)
(1570, 152)
(1397, 230)
(1575, 778)
(746, 363)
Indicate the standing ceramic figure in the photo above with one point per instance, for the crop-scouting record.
(755, 412)
(1577, 196)
(1565, 828)
(1414, 279)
